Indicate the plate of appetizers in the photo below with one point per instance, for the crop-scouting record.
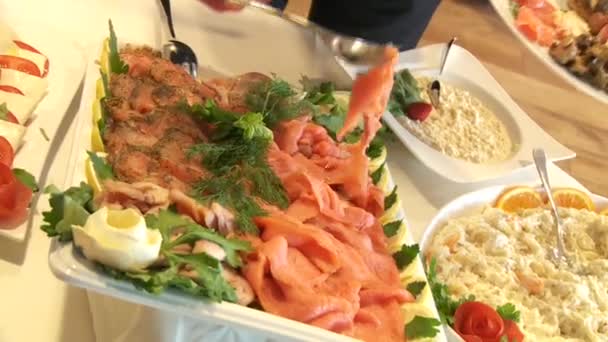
(476, 132)
(245, 201)
(569, 36)
(489, 259)
(38, 79)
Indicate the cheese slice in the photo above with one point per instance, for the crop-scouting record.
(37, 58)
(32, 86)
(13, 133)
(7, 46)
(21, 106)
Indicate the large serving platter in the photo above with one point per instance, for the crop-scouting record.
(473, 203)
(503, 9)
(465, 71)
(67, 66)
(69, 265)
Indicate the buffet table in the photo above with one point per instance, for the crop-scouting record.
(35, 306)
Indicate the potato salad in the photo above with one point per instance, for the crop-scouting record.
(500, 257)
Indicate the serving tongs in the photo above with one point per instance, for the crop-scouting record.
(353, 50)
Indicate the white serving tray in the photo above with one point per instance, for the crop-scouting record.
(213, 321)
(462, 69)
(471, 203)
(67, 65)
(503, 9)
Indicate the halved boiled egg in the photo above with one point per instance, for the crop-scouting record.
(118, 238)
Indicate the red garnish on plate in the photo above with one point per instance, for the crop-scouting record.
(15, 198)
(419, 111)
(6, 152)
(19, 64)
(10, 89)
(30, 48)
(478, 322)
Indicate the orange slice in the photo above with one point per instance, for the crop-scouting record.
(518, 198)
(573, 198)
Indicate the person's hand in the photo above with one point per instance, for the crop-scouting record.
(228, 5)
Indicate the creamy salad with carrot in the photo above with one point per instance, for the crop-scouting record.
(503, 257)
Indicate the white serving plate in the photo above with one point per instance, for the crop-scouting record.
(465, 71)
(214, 321)
(503, 10)
(471, 203)
(67, 66)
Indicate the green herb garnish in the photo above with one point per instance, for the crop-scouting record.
(68, 208)
(406, 255)
(101, 167)
(391, 199)
(405, 92)
(26, 179)
(274, 99)
(416, 287)
(509, 312)
(117, 66)
(391, 228)
(4, 112)
(44, 135)
(421, 327)
(377, 175)
(446, 306)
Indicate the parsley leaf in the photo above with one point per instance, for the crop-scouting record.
(377, 175)
(167, 221)
(446, 306)
(391, 228)
(117, 66)
(508, 312)
(71, 207)
(26, 178)
(332, 121)
(421, 327)
(101, 167)
(406, 255)
(416, 287)
(391, 199)
(252, 125)
(374, 150)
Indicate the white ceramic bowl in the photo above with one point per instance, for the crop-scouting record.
(471, 203)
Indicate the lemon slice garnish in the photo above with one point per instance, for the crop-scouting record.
(91, 175)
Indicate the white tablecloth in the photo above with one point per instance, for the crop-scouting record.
(34, 306)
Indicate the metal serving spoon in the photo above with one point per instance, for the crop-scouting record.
(177, 52)
(435, 89)
(356, 51)
(540, 160)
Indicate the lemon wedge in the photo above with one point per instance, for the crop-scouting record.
(103, 57)
(91, 175)
(96, 140)
(100, 92)
(375, 163)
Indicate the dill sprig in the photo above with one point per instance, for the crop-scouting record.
(276, 100)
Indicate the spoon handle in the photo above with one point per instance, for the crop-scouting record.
(444, 59)
(167, 8)
(540, 160)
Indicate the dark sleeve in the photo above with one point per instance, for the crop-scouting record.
(401, 22)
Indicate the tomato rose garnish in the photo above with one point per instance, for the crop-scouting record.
(478, 322)
(512, 331)
(6, 152)
(15, 198)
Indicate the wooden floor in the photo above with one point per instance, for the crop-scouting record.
(574, 119)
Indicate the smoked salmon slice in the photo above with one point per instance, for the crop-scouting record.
(534, 28)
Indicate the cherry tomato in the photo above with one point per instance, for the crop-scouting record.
(15, 198)
(10, 89)
(475, 319)
(6, 152)
(19, 64)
